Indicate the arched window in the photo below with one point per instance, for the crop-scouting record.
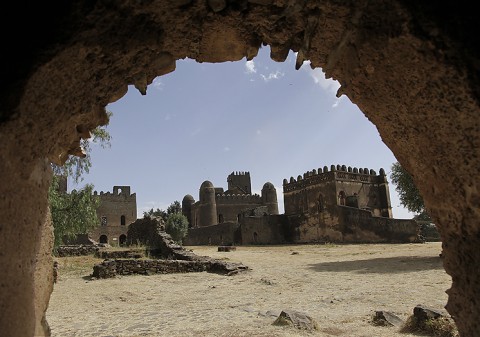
(122, 240)
(341, 198)
(103, 239)
(122, 220)
(220, 218)
(255, 237)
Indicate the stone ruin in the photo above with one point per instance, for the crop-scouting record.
(412, 67)
(170, 257)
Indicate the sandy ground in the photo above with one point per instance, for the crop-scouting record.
(340, 286)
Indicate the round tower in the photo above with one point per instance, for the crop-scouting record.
(269, 198)
(187, 203)
(207, 209)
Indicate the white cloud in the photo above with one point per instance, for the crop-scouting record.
(328, 85)
(226, 149)
(259, 132)
(168, 117)
(157, 83)
(273, 76)
(250, 65)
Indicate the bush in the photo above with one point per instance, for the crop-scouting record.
(177, 226)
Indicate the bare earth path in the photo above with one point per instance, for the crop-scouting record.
(340, 286)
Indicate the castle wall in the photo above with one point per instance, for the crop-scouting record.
(263, 230)
(312, 228)
(361, 188)
(310, 196)
(360, 226)
(351, 225)
(116, 211)
(230, 207)
(222, 234)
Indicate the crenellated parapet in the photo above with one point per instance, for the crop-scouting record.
(335, 173)
(239, 173)
(120, 193)
(238, 199)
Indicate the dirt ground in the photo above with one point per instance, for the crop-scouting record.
(340, 286)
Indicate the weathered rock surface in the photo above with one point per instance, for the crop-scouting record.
(296, 319)
(411, 67)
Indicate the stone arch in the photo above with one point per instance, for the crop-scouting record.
(103, 239)
(368, 49)
(122, 239)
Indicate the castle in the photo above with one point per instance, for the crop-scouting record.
(340, 204)
(116, 211)
(216, 206)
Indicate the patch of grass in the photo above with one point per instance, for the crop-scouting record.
(436, 327)
(76, 265)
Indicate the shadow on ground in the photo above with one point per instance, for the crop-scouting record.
(387, 265)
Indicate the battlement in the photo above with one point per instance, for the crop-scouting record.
(239, 182)
(239, 173)
(119, 193)
(238, 198)
(336, 173)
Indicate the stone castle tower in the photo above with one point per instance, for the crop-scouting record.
(116, 211)
(319, 190)
(217, 206)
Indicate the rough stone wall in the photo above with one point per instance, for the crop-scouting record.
(316, 190)
(112, 207)
(263, 229)
(300, 198)
(76, 250)
(321, 227)
(145, 232)
(222, 234)
(112, 268)
(231, 208)
(410, 66)
(359, 225)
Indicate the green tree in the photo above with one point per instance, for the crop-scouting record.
(174, 207)
(177, 226)
(158, 213)
(408, 193)
(75, 213)
(72, 213)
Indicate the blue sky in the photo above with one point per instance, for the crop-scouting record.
(203, 121)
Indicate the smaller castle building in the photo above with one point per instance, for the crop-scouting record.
(216, 206)
(116, 211)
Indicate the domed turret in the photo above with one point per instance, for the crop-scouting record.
(207, 207)
(269, 198)
(187, 204)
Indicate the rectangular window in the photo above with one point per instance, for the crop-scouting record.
(104, 221)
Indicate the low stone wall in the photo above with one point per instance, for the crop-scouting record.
(76, 250)
(112, 268)
(120, 254)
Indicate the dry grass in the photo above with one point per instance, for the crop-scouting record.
(340, 286)
(438, 327)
